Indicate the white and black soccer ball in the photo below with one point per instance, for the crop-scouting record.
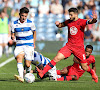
(29, 78)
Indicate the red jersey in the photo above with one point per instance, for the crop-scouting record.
(78, 68)
(76, 31)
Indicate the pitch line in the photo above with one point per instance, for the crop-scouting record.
(7, 61)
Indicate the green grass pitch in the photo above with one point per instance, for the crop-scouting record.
(7, 81)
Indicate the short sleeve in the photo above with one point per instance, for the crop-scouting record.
(12, 28)
(84, 22)
(33, 28)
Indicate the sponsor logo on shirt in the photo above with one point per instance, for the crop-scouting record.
(73, 30)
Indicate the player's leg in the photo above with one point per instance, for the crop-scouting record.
(70, 74)
(29, 56)
(1, 49)
(64, 52)
(89, 70)
(80, 55)
(19, 55)
(28, 66)
(50, 65)
(52, 73)
(67, 78)
(1, 45)
(64, 71)
(5, 44)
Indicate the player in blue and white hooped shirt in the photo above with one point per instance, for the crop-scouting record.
(39, 59)
(24, 32)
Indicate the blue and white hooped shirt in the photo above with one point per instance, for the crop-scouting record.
(23, 32)
(40, 59)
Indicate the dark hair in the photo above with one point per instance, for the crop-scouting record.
(89, 46)
(24, 10)
(75, 10)
(2, 11)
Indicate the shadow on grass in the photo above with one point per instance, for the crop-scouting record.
(10, 80)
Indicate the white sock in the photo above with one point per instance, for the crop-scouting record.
(6, 48)
(28, 69)
(20, 69)
(1, 51)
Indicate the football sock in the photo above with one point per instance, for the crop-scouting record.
(20, 69)
(0, 51)
(64, 78)
(49, 66)
(6, 48)
(58, 72)
(90, 71)
(28, 69)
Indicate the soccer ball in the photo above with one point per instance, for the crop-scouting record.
(29, 78)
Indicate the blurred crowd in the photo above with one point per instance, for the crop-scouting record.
(44, 13)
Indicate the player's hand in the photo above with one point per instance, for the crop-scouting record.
(13, 37)
(34, 46)
(57, 23)
(94, 15)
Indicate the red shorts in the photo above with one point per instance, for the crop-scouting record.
(77, 52)
(72, 71)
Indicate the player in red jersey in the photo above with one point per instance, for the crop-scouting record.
(75, 71)
(75, 44)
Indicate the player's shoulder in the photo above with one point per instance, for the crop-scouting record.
(92, 57)
(29, 21)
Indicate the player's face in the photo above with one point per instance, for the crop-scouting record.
(2, 15)
(88, 52)
(72, 15)
(23, 17)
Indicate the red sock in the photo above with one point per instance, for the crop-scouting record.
(64, 78)
(90, 71)
(58, 72)
(49, 66)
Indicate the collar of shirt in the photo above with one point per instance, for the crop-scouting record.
(22, 23)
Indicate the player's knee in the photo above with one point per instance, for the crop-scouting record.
(27, 64)
(56, 59)
(19, 60)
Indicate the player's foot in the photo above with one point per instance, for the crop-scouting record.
(40, 72)
(17, 77)
(95, 77)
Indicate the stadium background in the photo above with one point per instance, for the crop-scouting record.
(44, 13)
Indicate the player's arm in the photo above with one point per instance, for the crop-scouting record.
(12, 32)
(94, 20)
(34, 35)
(59, 25)
(76, 60)
(63, 24)
(33, 28)
(94, 67)
(12, 36)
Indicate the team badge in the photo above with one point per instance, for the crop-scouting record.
(22, 29)
(73, 30)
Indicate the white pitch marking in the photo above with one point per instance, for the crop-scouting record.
(7, 61)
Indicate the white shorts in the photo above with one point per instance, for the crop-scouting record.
(53, 73)
(3, 38)
(27, 50)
